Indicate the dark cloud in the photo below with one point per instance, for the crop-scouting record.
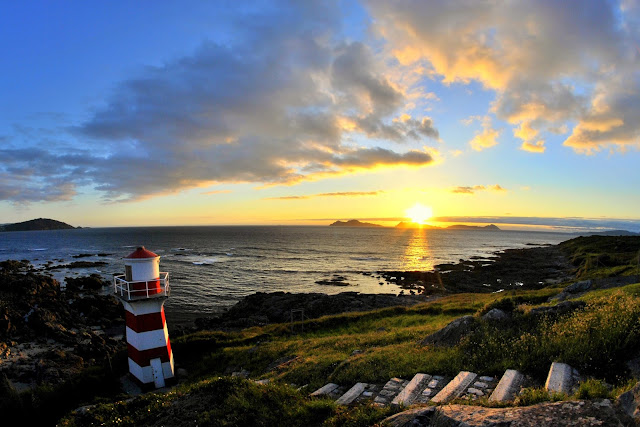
(274, 105)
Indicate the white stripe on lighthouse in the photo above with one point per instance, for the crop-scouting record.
(148, 340)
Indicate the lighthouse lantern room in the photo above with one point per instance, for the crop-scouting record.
(143, 290)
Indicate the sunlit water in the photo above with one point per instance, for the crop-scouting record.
(213, 267)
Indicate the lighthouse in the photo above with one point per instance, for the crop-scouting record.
(143, 290)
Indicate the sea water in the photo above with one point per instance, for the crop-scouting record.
(213, 267)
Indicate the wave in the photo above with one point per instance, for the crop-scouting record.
(366, 258)
(39, 249)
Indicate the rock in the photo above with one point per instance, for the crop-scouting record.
(452, 333)
(558, 309)
(582, 286)
(629, 401)
(242, 373)
(325, 390)
(561, 378)
(281, 362)
(583, 413)
(495, 315)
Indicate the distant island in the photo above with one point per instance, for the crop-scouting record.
(353, 223)
(490, 227)
(37, 224)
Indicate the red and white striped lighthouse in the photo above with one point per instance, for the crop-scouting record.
(143, 290)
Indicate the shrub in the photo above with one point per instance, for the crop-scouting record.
(593, 388)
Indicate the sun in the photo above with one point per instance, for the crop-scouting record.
(419, 213)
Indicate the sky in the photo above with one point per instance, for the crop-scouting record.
(152, 113)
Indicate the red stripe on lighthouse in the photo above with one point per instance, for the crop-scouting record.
(145, 322)
(143, 358)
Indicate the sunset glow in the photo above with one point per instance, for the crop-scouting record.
(419, 213)
(358, 110)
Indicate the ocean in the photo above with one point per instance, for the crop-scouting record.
(213, 267)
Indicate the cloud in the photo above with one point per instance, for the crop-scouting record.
(277, 104)
(486, 138)
(336, 194)
(548, 65)
(537, 147)
(476, 188)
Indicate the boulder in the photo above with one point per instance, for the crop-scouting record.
(581, 286)
(452, 333)
(555, 310)
(629, 401)
(495, 315)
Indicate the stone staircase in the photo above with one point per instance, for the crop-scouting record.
(424, 388)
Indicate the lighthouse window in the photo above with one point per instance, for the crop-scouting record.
(127, 273)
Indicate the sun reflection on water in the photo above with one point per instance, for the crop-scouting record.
(417, 255)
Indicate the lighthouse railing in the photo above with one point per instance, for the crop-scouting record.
(140, 289)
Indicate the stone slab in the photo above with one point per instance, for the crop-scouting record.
(412, 390)
(508, 386)
(324, 390)
(351, 394)
(389, 391)
(560, 378)
(455, 388)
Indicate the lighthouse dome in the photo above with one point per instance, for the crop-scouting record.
(140, 253)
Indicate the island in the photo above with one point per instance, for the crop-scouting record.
(490, 227)
(37, 224)
(353, 223)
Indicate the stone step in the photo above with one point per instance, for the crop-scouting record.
(351, 394)
(436, 384)
(455, 388)
(390, 390)
(508, 387)
(481, 387)
(407, 396)
(325, 390)
(561, 378)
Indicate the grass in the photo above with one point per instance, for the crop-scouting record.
(388, 339)
(597, 340)
(603, 256)
(226, 401)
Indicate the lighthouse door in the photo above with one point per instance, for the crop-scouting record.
(158, 376)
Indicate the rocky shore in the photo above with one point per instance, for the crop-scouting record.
(47, 334)
(529, 268)
(263, 308)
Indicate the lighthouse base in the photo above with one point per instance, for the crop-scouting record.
(148, 345)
